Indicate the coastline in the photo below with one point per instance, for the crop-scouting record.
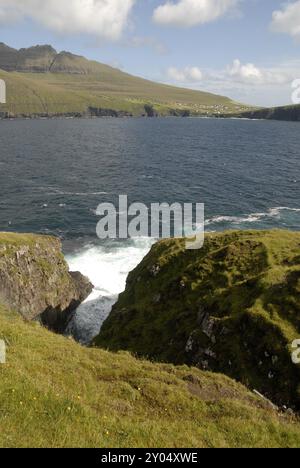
(108, 113)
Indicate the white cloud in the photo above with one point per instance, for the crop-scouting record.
(246, 82)
(251, 74)
(101, 18)
(187, 13)
(245, 74)
(248, 72)
(185, 75)
(287, 20)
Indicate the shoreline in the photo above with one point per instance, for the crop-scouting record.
(93, 117)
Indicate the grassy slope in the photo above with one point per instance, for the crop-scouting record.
(103, 87)
(54, 393)
(236, 302)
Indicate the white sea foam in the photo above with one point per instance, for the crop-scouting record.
(251, 218)
(55, 191)
(107, 268)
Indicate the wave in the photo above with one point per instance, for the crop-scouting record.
(107, 268)
(52, 191)
(251, 218)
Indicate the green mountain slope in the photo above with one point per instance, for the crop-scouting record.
(54, 393)
(231, 307)
(40, 81)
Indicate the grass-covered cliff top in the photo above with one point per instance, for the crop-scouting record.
(54, 393)
(14, 239)
(231, 307)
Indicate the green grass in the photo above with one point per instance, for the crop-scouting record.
(54, 393)
(13, 239)
(231, 307)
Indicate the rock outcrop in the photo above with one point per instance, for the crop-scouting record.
(36, 282)
(42, 59)
(37, 59)
(284, 113)
(232, 307)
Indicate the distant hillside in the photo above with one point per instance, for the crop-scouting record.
(42, 82)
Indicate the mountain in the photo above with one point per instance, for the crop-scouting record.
(231, 307)
(41, 81)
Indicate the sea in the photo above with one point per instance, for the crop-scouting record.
(54, 174)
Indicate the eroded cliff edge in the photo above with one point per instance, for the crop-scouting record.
(231, 307)
(35, 280)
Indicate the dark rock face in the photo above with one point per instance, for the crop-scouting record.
(34, 59)
(287, 113)
(42, 59)
(35, 280)
(100, 112)
(56, 319)
(8, 58)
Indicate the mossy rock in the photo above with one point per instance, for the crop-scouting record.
(35, 279)
(231, 307)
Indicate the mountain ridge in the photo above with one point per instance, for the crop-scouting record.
(42, 82)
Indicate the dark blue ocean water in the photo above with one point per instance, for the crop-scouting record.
(54, 173)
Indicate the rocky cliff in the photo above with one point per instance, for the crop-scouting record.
(287, 113)
(36, 282)
(231, 307)
(42, 59)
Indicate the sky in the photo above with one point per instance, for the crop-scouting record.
(245, 49)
